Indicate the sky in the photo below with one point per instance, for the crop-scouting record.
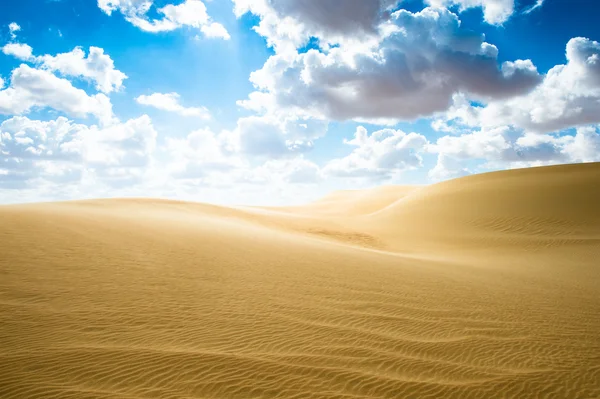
(274, 102)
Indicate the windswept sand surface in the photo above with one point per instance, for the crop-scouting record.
(482, 287)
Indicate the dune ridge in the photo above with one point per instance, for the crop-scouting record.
(481, 287)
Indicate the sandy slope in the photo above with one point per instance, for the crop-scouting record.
(352, 203)
(482, 287)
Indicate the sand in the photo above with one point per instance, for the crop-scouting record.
(482, 287)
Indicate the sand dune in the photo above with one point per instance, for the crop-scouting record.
(481, 287)
(353, 202)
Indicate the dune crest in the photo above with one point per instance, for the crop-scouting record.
(482, 287)
(351, 203)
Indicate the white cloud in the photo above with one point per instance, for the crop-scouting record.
(122, 145)
(14, 27)
(380, 155)
(230, 157)
(413, 72)
(31, 88)
(20, 51)
(297, 170)
(190, 13)
(461, 116)
(527, 130)
(170, 102)
(272, 137)
(215, 30)
(199, 155)
(285, 22)
(207, 160)
(62, 151)
(568, 96)
(260, 137)
(585, 146)
(534, 7)
(495, 12)
(96, 66)
(33, 149)
(506, 147)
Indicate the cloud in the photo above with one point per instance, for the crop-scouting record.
(585, 146)
(231, 157)
(568, 96)
(208, 159)
(121, 145)
(413, 72)
(258, 150)
(33, 149)
(273, 137)
(285, 22)
(97, 66)
(13, 27)
(200, 154)
(538, 4)
(527, 130)
(296, 170)
(170, 102)
(31, 88)
(64, 159)
(190, 13)
(20, 51)
(62, 151)
(379, 155)
(495, 12)
(215, 30)
(260, 137)
(507, 147)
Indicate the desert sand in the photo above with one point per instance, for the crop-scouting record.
(482, 287)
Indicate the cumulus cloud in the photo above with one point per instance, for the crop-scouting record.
(507, 147)
(215, 30)
(61, 150)
(33, 149)
(170, 102)
(13, 28)
(96, 66)
(296, 170)
(285, 22)
(413, 72)
(260, 137)
(191, 13)
(258, 150)
(121, 155)
(568, 96)
(272, 137)
(208, 159)
(31, 88)
(199, 154)
(494, 11)
(585, 146)
(23, 52)
(527, 130)
(379, 155)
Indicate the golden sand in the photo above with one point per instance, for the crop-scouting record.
(481, 287)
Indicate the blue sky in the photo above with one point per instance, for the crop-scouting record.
(278, 101)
